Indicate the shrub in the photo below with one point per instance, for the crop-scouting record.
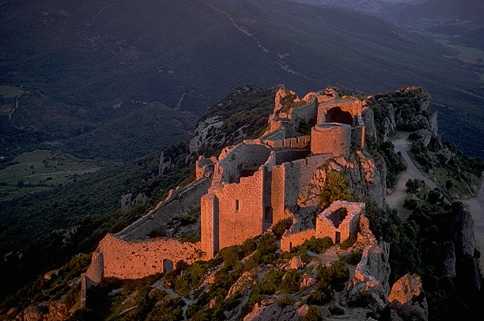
(348, 243)
(231, 256)
(336, 188)
(354, 258)
(313, 314)
(290, 282)
(315, 245)
(281, 227)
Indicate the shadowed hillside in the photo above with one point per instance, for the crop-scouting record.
(88, 63)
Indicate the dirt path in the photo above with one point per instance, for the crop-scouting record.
(397, 197)
(476, 207)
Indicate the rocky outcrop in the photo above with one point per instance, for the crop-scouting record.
(406, 289)
(269, 310)
(242, 284)
(129, 202)
(407, 109)
(46, 311)
(467, 263)
(407, 299)
(369, 285)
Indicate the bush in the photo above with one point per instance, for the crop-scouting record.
(290, 282)
(313, 315)
(354, 258)
(348, 243)
(231, 256)
(315, 245)
(336, 188)
(281, 227)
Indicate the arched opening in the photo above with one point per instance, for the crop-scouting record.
(336, 115)
(167, 265)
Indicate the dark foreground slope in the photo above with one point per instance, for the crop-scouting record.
(85, 66)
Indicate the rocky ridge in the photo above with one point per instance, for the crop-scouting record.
(256, 282)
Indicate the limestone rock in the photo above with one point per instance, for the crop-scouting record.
(406, 289)
(296, 263)
(46, 311)
(165, 164)
(268, 310)
(369, 284)
(307, 281)
(242, 284)
(202, 133)
(407, 299)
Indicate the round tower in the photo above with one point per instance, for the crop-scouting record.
(331, 138)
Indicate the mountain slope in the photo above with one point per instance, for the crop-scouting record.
(99, 60)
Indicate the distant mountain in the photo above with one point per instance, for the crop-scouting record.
(368, 6)
(446, 9)
(92, 63)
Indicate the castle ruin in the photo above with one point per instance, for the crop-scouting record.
(252, 186)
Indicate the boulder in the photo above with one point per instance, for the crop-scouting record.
(369, 285)
(407, 299)
(242, 284)
(406, 289)
(307, 281)
(269, 310)
(296, 263)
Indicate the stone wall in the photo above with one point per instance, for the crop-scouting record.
(306, 113)
(181, 201)
(332, 139)
(348, 228)
(297, 177)
(233, 161)
(350, 105)
(293, 239)
(135, 260)
(239, 210)
(300, 142)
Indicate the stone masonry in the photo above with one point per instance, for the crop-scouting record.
(247, 189)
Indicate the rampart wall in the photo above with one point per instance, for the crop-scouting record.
(306, 113)
(237, 159)
(292, 178)
(135, 260)
(300, 142)
(331, 139)
(293, 239)
(182, 201)
(351, 105)
(237, 209)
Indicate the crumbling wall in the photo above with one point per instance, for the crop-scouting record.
(348, 228)
(306, 113)
(209, 225)
(179, 202)
(297, 176)
(241, 209)
(293, 239)
(135, 260)
(350, 105)
(299, 142)
(233, 161)
(332, 139)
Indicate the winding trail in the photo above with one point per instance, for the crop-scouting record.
(476, 207)
(277, 59)
(396, 199)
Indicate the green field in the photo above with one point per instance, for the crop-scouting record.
(41, 170)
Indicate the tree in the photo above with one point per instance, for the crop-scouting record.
(336, 188)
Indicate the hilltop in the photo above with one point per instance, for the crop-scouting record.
(326, 231)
